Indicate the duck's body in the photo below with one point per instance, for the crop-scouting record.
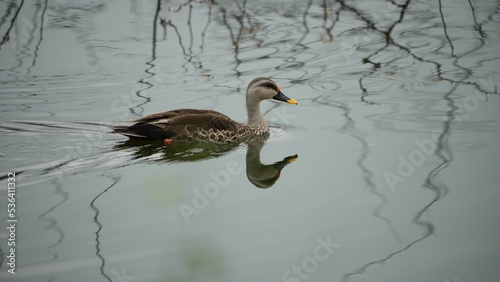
(207, 125)
(186, 124)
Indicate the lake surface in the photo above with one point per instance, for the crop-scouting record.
(387, 170)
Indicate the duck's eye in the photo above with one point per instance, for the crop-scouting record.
(270, 85)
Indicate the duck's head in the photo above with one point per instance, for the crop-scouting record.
(262, 88)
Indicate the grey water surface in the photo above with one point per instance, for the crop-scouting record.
(386, 170)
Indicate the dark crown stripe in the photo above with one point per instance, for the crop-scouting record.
(267, 83)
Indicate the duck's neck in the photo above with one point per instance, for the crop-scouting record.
(255, 117)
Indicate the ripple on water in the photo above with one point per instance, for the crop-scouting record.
(42, 147)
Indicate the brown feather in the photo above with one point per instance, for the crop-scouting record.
(182, 123)
(174, 113)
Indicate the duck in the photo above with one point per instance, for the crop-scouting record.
(208, 125)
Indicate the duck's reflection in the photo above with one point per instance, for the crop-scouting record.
(259, 174)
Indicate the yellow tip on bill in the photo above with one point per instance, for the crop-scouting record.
(292, 101)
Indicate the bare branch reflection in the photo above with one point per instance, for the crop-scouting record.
(52, 223)
(96, 210)
(141, 93)
(40, 36)
(11, 6)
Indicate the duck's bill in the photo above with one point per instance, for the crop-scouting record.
(291, 159)
(282, 97)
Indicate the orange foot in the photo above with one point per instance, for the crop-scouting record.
(167, 141)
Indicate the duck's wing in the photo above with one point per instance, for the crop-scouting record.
(178, 123)
(188, 123)
(174, 113)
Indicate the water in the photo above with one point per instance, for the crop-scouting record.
(385, 171)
